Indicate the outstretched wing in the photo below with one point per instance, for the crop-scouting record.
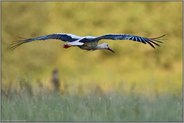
(150, 41)
(59, 36)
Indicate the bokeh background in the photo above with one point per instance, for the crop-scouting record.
(135, 70)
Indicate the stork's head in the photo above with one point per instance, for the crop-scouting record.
(106, 46)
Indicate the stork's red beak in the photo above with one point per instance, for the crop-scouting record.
(110, 49)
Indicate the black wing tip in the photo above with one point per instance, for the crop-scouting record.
(151, 44)
(155, 41)
(16, 44)
(159, 37)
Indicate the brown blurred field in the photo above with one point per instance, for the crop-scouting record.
(134, 68)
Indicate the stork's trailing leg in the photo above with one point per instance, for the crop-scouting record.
(67, 46)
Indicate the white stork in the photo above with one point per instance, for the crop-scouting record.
(89, 42)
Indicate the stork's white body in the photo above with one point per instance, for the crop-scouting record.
(89, 46)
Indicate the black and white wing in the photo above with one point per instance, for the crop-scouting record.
(59, 36)
(150, 41)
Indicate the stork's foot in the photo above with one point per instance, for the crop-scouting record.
(66, 46)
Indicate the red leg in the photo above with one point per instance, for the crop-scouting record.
(66, 46)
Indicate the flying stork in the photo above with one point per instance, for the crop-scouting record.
(89, 42)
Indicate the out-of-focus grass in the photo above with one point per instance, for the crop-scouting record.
(111, 107)
(134, 68)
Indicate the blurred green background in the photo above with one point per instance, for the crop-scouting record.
(133, 62)
(134, 67)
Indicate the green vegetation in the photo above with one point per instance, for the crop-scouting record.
(111, 107)
(137, 83)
